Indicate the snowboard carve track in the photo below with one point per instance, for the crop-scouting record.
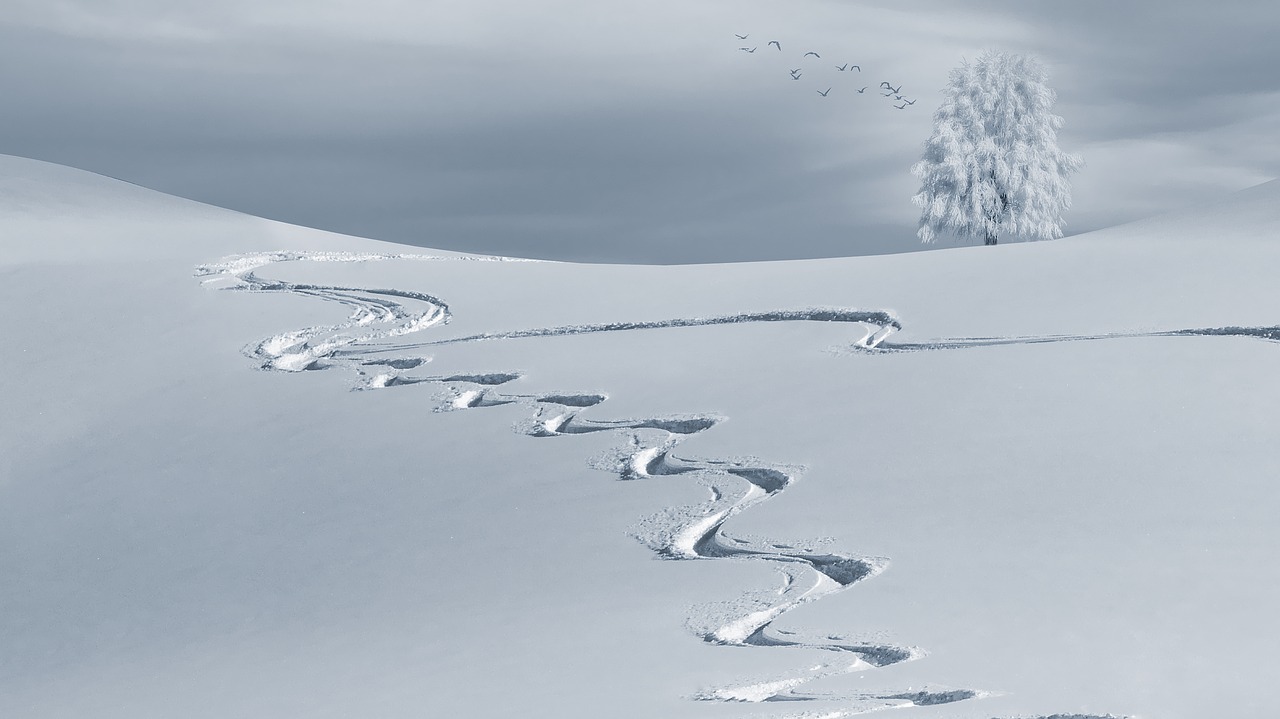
(367, 344)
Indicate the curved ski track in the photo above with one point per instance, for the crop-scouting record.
(1269, 334)
(365, 345)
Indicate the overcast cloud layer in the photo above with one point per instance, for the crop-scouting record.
(621, 131)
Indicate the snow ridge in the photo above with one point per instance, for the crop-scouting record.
(690, 533)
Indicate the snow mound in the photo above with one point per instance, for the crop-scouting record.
(1251, 215)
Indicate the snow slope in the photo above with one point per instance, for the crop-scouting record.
(255, 470)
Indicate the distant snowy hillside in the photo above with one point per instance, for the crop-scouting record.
(255, 470)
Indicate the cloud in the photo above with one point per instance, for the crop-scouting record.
(632, 131)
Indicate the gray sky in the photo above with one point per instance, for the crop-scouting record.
(621, 131)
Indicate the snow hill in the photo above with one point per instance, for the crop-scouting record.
(255, 470)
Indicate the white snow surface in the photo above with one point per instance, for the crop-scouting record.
(255, 470)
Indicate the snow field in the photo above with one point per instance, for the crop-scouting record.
(1064, 448)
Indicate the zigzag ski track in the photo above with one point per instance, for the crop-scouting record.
(369, 345)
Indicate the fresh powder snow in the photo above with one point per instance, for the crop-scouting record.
(252, 469)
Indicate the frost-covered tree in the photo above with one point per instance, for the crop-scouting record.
(992, 167)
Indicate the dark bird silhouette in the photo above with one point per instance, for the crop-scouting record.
(899, 97)
(862, 91)
(842, 68)
(903, 106)
(775, 42)
(908, 102)
(895, 90)
(741, 37)
(796, 76)
(824, 94)
(747, 49)
(885, 84)
(807, 54)
(796, 70)
(855, 67)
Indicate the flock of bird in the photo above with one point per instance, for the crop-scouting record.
(886, 88)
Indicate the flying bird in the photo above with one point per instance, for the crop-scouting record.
(903, 106)
(855, 67)
(741, 37)
(747, 49)
(775, 42)
(807, 54)
(862, 91)
(899, 97)
(885, 84)
(895, 90)
(842, 68)
(908, 102)
(824, 94)
(796, 70)
(795, 76)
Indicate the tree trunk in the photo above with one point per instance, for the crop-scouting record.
(999, 214)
